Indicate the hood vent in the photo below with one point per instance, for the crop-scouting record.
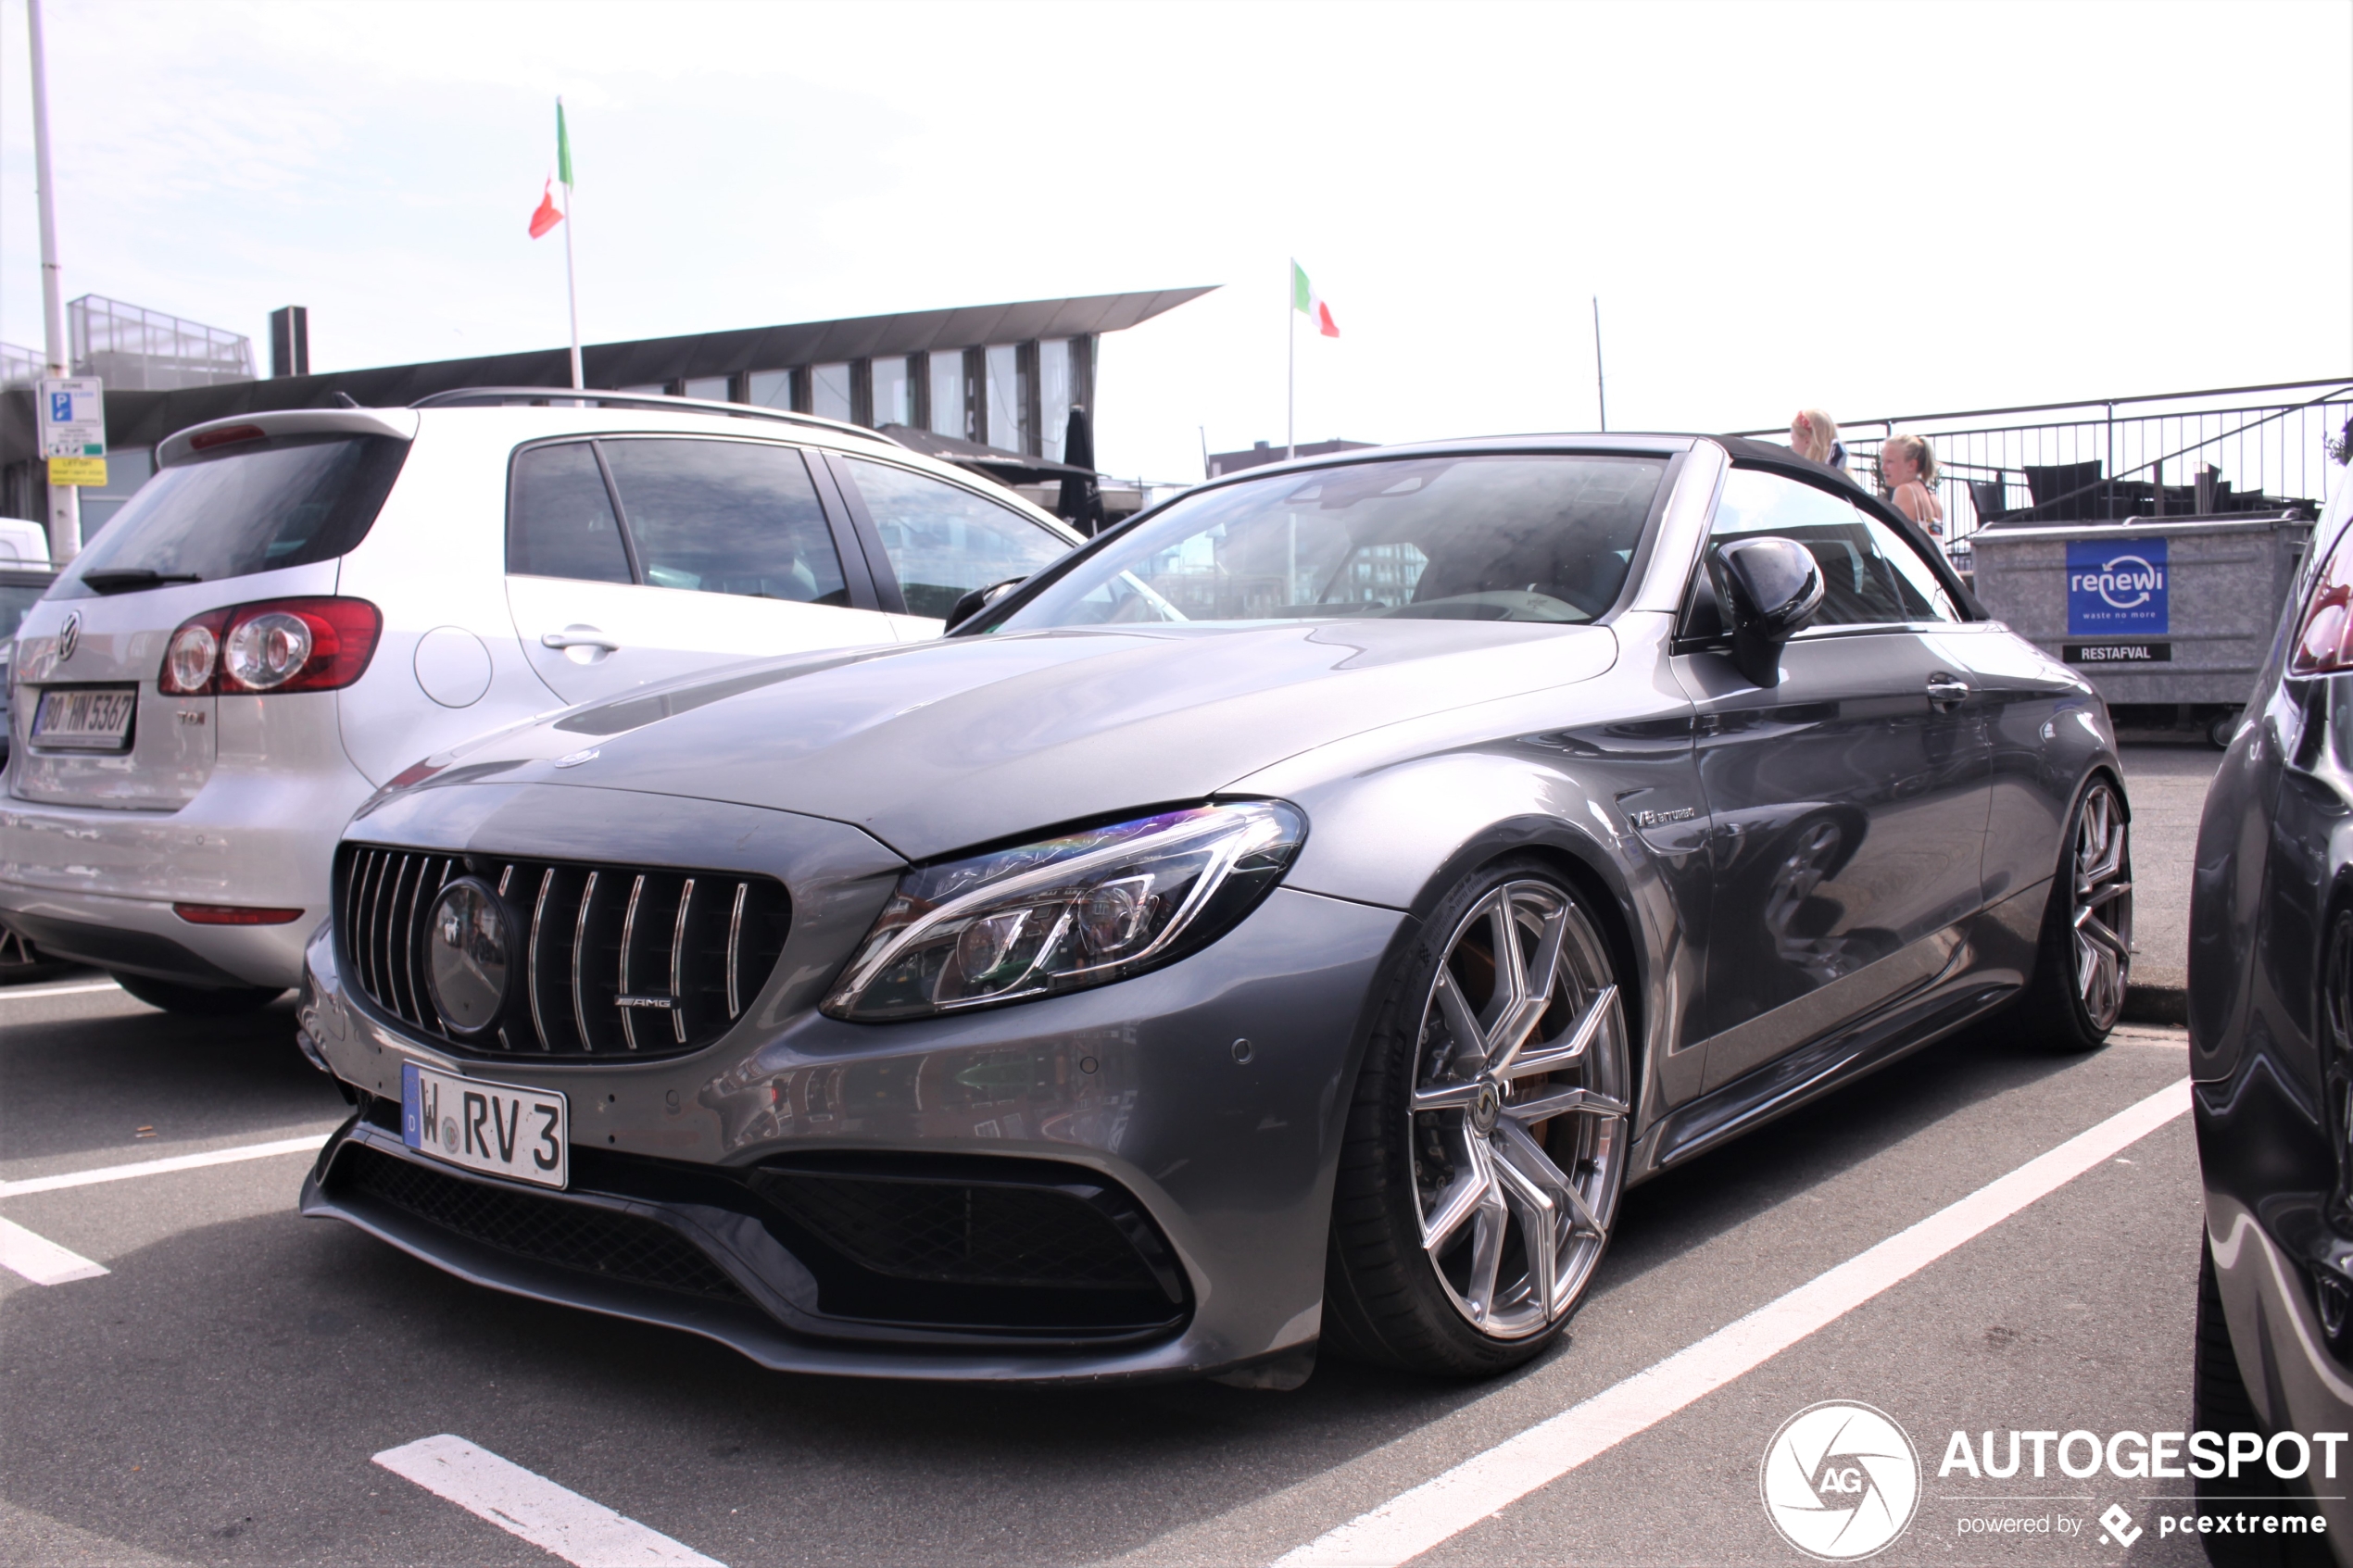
(632, 962)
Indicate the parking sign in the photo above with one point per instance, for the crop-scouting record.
(73, 418)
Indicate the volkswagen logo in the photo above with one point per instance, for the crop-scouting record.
(69, 636)
(1840, 1481)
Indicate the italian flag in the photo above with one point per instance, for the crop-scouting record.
(547, 214)
(1308, 303)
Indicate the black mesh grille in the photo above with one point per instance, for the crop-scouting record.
(964, 1233)
(613, 961)
(575, 1235)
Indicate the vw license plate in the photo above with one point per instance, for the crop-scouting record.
(499, 1129)
(85, 718)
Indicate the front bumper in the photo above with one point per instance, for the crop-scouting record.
(1137, 1088)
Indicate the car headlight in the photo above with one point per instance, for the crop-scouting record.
(1065, 913)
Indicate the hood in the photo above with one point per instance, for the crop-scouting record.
(944, 744)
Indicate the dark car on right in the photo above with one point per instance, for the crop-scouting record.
(2271, 968)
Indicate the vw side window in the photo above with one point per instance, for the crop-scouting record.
(726, 517)
(559, 517)
(943, 541)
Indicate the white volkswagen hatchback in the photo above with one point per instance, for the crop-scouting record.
(301, 605)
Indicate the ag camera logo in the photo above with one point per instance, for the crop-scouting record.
(1841, 1481)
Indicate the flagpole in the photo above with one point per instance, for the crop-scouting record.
(1601, 390)
(572, 287)
(1290, 363)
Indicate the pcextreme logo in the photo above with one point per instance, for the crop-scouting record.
(1841, 1481)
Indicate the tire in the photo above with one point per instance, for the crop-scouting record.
(197, 1001)
(2220, 1402)
(2220, 728)
(1452, 1193)
(2083, 962)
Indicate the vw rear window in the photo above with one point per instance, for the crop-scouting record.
(253, 508)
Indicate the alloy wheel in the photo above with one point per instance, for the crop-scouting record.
(1519, 1109)
(2101, 911)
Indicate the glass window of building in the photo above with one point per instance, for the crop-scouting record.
(771, 389)
(646, 388)
(1053, 394)
(894, 394)
(829, 392)
(1008, 399)
(947, 394)
(713, 388)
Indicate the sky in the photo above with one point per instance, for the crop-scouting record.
(1871, 209)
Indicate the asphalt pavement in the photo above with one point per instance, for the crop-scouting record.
(2166, 785)
(219, 1393)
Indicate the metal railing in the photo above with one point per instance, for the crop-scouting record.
(2239, 449)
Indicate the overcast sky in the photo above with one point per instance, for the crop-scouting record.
(1870, 208)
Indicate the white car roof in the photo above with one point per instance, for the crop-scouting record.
(511, 425)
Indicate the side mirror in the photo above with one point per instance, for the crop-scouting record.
(1767, 590)
(971, 604)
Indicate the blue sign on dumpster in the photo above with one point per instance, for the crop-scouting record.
(2115, 589)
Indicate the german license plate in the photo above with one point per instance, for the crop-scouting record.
(499, 1129)
(85, 718)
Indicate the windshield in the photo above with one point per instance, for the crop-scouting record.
(256, 509)
(1477, 538)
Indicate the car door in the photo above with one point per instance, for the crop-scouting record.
(933, 542)
(1848, 803)
(635, 558)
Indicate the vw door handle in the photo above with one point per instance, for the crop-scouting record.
(579, 637)
(1945, 691)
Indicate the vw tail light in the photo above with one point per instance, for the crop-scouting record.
(308, 645)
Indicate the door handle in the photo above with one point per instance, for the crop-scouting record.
(566, 639)
(1945, 691)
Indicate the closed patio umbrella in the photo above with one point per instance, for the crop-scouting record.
(1081, 502)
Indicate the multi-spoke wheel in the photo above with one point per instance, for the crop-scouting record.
(1487, 1145)
(2086, 959)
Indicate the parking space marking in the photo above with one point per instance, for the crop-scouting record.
(524, 1503)
(72, 988)
(40, 1260)
(308, 1144)
(1420, 1519)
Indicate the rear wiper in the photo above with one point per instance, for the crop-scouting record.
(124, 579)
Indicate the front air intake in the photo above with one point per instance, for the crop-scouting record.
(613, 961)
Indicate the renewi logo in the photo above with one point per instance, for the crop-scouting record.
(2116, 589)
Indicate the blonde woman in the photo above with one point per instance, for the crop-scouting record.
(1814, 435)
(1907, 468)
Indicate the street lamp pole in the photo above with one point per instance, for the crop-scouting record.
(65, 501)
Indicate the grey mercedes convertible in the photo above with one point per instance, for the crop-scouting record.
(1293, 918)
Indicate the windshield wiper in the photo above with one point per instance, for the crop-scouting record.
(126, 579)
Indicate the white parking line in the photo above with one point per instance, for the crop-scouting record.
(308, 1144)
(40, 1260)
(529, 1505)
(72, 988)
(1414, 1522)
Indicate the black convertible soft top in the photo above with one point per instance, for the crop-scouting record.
(1780, 459)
